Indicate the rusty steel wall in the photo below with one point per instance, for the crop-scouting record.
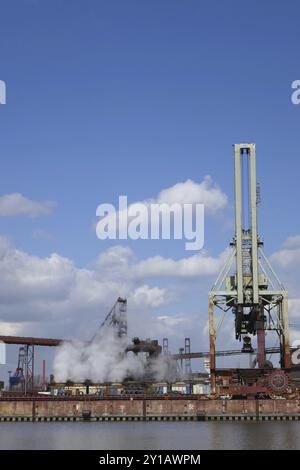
(16, 408)
(96, 408)
(145, 408)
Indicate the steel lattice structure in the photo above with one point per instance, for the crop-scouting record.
(247, 284)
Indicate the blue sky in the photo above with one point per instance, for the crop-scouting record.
(131, 97)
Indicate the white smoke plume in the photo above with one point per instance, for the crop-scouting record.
(165, 370)
(101, 360)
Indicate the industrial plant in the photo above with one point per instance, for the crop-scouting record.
(143, 380)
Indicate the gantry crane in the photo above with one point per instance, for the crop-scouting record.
(24, 373)
(116, 318)
(249, 288)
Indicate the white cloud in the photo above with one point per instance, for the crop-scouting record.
(51, 295)
(116, 221)
(120, 261)
(292, 242)
(115, 261)
(42, 289)
(286, 258)
(15, 204)
(200, 264)
(294, 334)
(294, 308)
(289, 256)
(151, 296)
(176, 326)
(10, 329)
(189, 192)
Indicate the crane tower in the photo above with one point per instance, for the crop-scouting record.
(249, 287)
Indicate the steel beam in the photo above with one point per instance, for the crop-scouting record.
(253, 199)
(238, 221)
(212, 345)
(31, 341)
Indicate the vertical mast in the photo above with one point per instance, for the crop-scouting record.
(246, 238)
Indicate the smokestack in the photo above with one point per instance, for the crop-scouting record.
(44, 385)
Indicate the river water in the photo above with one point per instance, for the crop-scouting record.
(151, 435)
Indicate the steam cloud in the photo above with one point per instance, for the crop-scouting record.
(103, 360)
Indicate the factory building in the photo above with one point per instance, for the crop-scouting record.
(126, 389)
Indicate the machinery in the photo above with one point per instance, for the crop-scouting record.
(116, 318)
(249, 288)
(23, 376)
(151, 347)
(18, 378)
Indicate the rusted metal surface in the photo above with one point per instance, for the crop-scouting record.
(286, 345)
(212, 346)
(42, 398)
(261, 340)
(147, 408)
(255, 383)
(151, 347)
(31, 341)
(261, 352)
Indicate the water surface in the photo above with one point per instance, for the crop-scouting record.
(151, 435)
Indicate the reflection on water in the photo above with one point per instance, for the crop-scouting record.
(151, 435)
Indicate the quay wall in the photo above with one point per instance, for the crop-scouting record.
(145, 409)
